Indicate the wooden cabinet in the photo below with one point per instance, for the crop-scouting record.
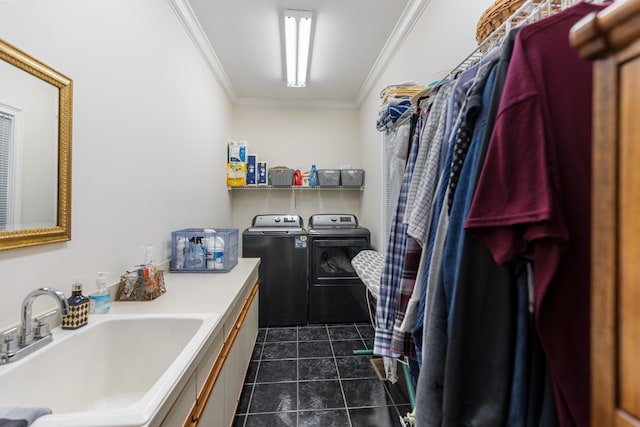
(612, 39)
(225, 364)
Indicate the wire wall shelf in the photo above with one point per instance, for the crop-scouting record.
(295, 188)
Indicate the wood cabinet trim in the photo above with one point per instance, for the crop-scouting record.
(600, 34)
(603, 244)
(625, 420)
(207, 389)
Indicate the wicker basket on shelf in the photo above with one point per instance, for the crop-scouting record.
(501, 10)
(494, 16)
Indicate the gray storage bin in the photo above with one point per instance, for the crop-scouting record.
(329, 177)
(280, 176)
(352, 177)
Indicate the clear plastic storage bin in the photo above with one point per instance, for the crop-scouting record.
(204, 250)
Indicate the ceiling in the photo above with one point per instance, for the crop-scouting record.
(352, 41)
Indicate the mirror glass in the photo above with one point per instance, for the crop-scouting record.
(35, 151)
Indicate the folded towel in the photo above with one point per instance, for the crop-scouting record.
(21, 417)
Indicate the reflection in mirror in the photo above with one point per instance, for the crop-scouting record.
(28, 154)
(35, 151)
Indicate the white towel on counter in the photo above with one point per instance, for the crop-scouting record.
(21, 417)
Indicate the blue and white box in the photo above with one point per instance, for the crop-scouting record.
(252, 164)
(262, 173)
(237, 152)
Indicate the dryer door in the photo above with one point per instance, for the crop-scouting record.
(330, 258)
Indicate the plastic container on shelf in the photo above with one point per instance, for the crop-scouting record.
(352, 177)
(329, 177)
(313, 177)
(280, 176)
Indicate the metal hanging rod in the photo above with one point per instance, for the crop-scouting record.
(529, 11)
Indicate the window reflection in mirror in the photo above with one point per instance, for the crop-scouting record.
(28, 150)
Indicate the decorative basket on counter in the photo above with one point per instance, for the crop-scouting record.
(141, 286)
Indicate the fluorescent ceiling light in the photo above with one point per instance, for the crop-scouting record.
(297, 40)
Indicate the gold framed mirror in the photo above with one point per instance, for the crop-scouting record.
(35, 151)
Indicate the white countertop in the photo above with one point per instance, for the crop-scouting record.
(216, 297)
(196, 292)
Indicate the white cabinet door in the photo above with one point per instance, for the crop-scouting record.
(181, 409)
(213, 414)
(234, 357)
(249, 330)
(233, 378)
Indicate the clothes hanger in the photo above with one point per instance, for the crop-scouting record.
(415, 99)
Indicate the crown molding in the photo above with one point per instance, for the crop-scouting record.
(187, 17)
(410, 16)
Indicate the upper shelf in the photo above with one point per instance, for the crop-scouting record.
(293, 187)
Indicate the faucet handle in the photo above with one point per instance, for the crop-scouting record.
(42, 328)
(8, 343)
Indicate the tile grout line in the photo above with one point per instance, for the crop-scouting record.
(253, 387)
(297, 376)
(335, 362)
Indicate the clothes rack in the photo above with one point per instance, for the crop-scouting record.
(529, 11)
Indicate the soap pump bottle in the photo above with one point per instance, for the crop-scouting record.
(100, 299)
(78, 308)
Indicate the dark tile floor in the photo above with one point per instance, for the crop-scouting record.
(309, 376)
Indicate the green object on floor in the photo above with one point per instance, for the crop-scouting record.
(409, 383)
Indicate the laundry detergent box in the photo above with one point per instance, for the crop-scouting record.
(237, 152)
(262, 173)
(252, 164)
(236, 174)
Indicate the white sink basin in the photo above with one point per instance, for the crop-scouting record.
(116, 371)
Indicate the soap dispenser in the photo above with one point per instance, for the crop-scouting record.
(78, 308)
(100, 299)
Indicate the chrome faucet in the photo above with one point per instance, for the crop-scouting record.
(28, 340)
(26, 334)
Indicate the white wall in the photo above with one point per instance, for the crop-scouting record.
(297, 138)
(443, 36)
(150, 126)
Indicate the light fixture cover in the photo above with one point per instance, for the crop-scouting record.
(297, 32)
